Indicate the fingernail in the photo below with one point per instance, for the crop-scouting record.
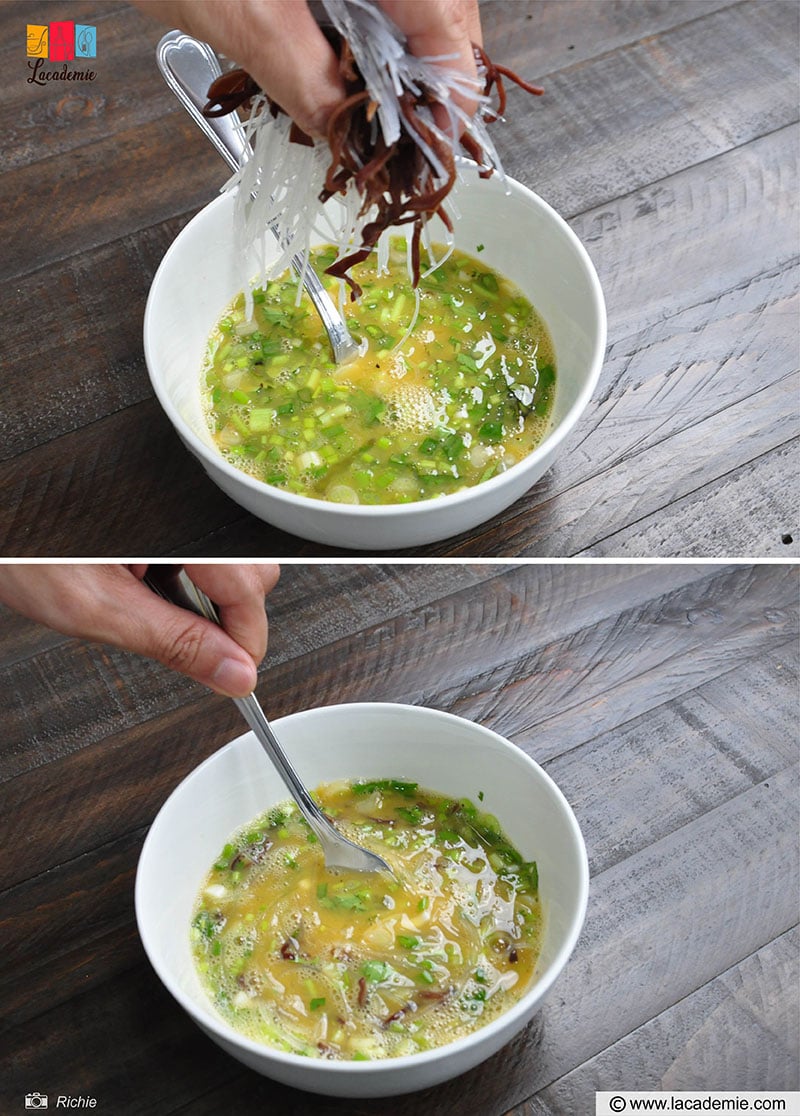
(233, 677)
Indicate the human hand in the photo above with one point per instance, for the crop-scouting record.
(279, 44)
(109, 604)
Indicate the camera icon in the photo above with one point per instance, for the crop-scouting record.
(35, 1100)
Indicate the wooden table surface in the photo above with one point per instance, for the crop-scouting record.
(667, 137)
(662, 701)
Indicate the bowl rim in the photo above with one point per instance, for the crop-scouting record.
(329, 507)
(209, 1021)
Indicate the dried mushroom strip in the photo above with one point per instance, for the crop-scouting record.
(404, 181)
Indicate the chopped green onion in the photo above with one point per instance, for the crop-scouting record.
(467, 362)
(412, 814)
(408, 790)
(375, 971)
(491, 432)
(453, 446)
(261, 419)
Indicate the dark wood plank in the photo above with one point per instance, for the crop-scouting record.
(645, 483)
(39, 122)
(704, 1042)
(596, 679)
(104, 1068)
(656, 106)
(483, 655)
(736, 852)
(680, 372)
(82, 926)
(52, 492)
(322, 611)
(114, 188)
(100, 295)
(766, 523)
(689, 140)
(648, 899)
(732, 728)
(310, 608)
(694, 457)
(561, 33)
(690, 238)
(101, 805)
(314, 604)
(120, 696)
(673, 686)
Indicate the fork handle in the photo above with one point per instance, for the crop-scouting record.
(189, 66)
(174, 585)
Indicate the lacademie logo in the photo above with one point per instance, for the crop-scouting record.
(65, 42)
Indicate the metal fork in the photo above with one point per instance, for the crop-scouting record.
(174, 585)
(189, 67)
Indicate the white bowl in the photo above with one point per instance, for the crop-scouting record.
(439, 751)
(524, 239)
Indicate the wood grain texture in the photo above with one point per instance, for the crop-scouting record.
(37, 204)
(368, 626)
(667, 136)
(699, 1043)
(649, 481)
(312, 607)
(661, 698)
(633, 952)
(93, 291)
(631, 238)
(37, 125)
(572, 31)
(765, 525)
(656, 105)
(504, 642)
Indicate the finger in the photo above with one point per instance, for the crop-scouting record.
(283, 48)
(109, 604)
(140, 621)
(278, 42)
(239, 592)
(441, 27)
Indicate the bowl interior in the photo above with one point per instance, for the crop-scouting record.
(439, 751)
(523, 238)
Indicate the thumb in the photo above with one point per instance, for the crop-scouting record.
(183, 642)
